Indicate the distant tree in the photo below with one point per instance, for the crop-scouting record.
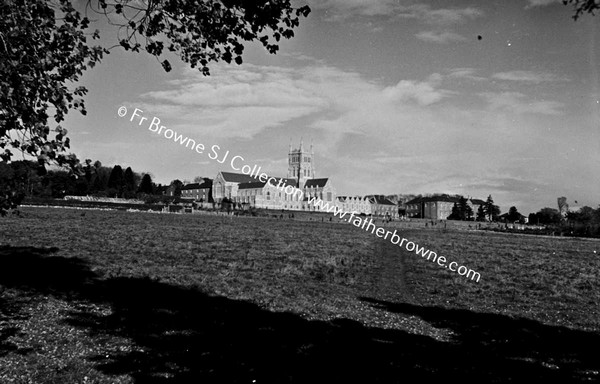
(532, 219)
(513, 215)
(461, 210)
(128, 183)
(10, 194)
(177, 185)
(480, 213)
(465, 209)
(455, 214)
(60, 183)
(585, 215)
(146, 185)
(116, 181)
(199, 179)
(491, 211)
(548, 216)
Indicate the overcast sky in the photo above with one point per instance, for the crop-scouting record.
(396, 97)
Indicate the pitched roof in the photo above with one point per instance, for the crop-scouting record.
(285, 183)
(378, 199)
(190, 186)
(437, 198)
(206, 184)
(315, 183)
(416, 200)
(238, 177)
(253, 185)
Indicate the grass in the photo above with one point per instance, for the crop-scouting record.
(112, 296)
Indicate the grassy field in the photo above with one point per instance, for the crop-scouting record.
(125, 297)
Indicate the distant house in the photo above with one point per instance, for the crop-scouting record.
(381, 206)
(358, 204)
(437, 207)
(376, 205)
(198, 191)
(226, 184)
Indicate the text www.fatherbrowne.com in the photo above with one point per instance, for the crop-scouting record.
(395, 239)
(298, 194)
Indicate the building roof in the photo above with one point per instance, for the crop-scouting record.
(437, 198)
(378, 199)
(315, 183)
(238, 177)
(286, 182)
(253, 185)
(206, 184)
(442, 198)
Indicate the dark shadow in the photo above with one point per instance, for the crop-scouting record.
(510, 347)
(29, 268)
(182, 335)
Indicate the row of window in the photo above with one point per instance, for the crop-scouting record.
(296, 159)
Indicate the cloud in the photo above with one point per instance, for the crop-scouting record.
(234, 101)
(424, 93)
(527, 76)
(415, 134)
(439, 37)
(539, 3)
(338, 10)
(465, 73)
(447, 16)
(517, 102)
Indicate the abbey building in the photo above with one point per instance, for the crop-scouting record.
(269, 192)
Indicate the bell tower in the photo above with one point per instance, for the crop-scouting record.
(301, 164)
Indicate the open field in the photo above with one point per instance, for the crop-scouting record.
(112, 296)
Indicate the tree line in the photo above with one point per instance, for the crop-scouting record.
(25, 179)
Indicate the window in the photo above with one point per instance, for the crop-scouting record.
(268, 195)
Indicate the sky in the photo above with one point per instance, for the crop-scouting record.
(476, 98)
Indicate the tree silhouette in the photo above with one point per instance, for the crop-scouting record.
(583, 6)
(146, 184)
(491, 211)
(128, 183)
(45, 49)
(116, 181)
(513, 215)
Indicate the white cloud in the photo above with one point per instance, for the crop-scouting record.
(422, 92)
(527, 76)
(517, 102)
(446, 16)
(465, 73)
(439, 37)
(337, 10)
(537, 3)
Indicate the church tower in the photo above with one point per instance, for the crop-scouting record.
(300, 164)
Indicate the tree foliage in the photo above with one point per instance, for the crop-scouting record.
(461, 210)
(491, 211)
(583, 6)
(513, 215)
(480, 213)
(146, 184)
(44, 49)
(41, 57)
(203, 31)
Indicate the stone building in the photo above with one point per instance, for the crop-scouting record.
(437, 207)
(198, 191)
(270, 192)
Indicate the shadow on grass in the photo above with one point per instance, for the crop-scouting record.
(184, 335)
